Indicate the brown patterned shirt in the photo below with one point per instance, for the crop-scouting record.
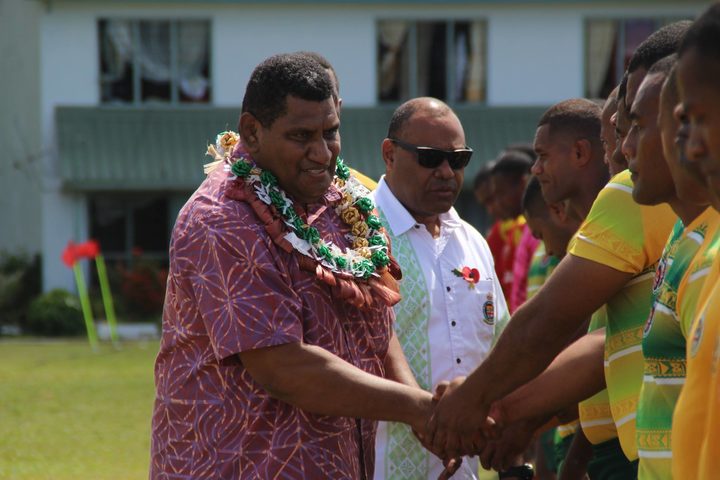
(231, 289)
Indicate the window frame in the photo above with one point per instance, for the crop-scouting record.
(413, 63)
(619, 20)
(174, 100)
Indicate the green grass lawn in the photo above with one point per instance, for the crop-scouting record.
(69, 413)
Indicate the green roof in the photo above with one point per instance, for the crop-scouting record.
(377, 2)
(125, 149)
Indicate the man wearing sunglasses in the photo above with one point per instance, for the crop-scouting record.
(450, 291)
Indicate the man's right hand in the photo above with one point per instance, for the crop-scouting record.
(459, 424)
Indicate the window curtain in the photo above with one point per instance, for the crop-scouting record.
(116, 47)
(392, 39)
(193, 48)
(475, 74)
(153, 52)
(601, 40)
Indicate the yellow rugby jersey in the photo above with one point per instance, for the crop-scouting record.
(690, 420)
(710, 453)
(367, 182)
(595, 416)
(679, 276)
(630, 238)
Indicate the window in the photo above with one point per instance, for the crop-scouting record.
(608, 48)
(442, 59)
(145, 61)
(126, 226)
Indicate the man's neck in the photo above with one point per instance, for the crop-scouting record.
(686, 211)
(579, 205)
(432, 223)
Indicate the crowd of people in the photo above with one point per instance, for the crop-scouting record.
(319, 324)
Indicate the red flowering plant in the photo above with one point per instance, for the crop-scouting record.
(142, 287)
(470, 275)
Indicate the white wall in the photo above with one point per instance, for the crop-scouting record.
(21, 147)
(535, 57)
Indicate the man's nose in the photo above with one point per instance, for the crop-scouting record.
(536, 168)
(444, 170)
(694, 145)
(319, 152)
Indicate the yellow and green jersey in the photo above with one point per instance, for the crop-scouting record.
(630, 238)
(664, 344)
(690, 421)
(595, 417)
(541, 266)
(709, 464)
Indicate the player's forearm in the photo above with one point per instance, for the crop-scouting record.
(523, 351)
(574, 375)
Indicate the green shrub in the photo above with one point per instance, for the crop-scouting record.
(55, 313)
(19, 284)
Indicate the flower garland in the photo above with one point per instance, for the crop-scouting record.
(369, 252)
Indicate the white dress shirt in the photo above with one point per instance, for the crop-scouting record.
(463, 316)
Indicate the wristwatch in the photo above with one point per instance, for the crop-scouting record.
(523, 472)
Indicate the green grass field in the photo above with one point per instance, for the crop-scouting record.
(69, 413)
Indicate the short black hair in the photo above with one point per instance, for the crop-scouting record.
(282, 75)
(326, 65)
(483, 175)
(578, 117)
(622, 88)
(513, 163)
(661, 43)
(403, 113)
(664, 65)
(704, 35)
(533, 201)
(523, 147)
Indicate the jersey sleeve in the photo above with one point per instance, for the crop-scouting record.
(620, 233)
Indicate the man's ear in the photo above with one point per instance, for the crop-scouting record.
(388, 154)
(250, 132)
(583, 152)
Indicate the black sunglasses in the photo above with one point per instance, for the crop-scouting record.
(430, 157)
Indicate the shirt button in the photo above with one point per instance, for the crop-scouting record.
(458, 360)
(448, 288)
(453, 323)
(417, 226)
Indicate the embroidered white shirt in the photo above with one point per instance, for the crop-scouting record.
(463, 317)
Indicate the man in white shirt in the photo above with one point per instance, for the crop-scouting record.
(452, 303)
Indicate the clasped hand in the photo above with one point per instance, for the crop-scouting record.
(455, 427)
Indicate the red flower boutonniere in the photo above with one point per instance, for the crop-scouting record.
(470, 275)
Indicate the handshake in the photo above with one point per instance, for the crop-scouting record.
(456, 424)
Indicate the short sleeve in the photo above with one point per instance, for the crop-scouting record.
(620, 233)
(244, 298)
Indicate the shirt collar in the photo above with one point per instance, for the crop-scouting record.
(400, 220)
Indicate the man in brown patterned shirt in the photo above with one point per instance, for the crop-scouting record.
(269, 368)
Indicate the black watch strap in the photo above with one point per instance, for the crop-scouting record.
(523, 472)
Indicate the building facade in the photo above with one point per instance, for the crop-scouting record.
(118, 99)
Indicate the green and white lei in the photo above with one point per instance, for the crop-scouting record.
(369, 252)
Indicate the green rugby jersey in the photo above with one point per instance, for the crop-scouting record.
(541, 266)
